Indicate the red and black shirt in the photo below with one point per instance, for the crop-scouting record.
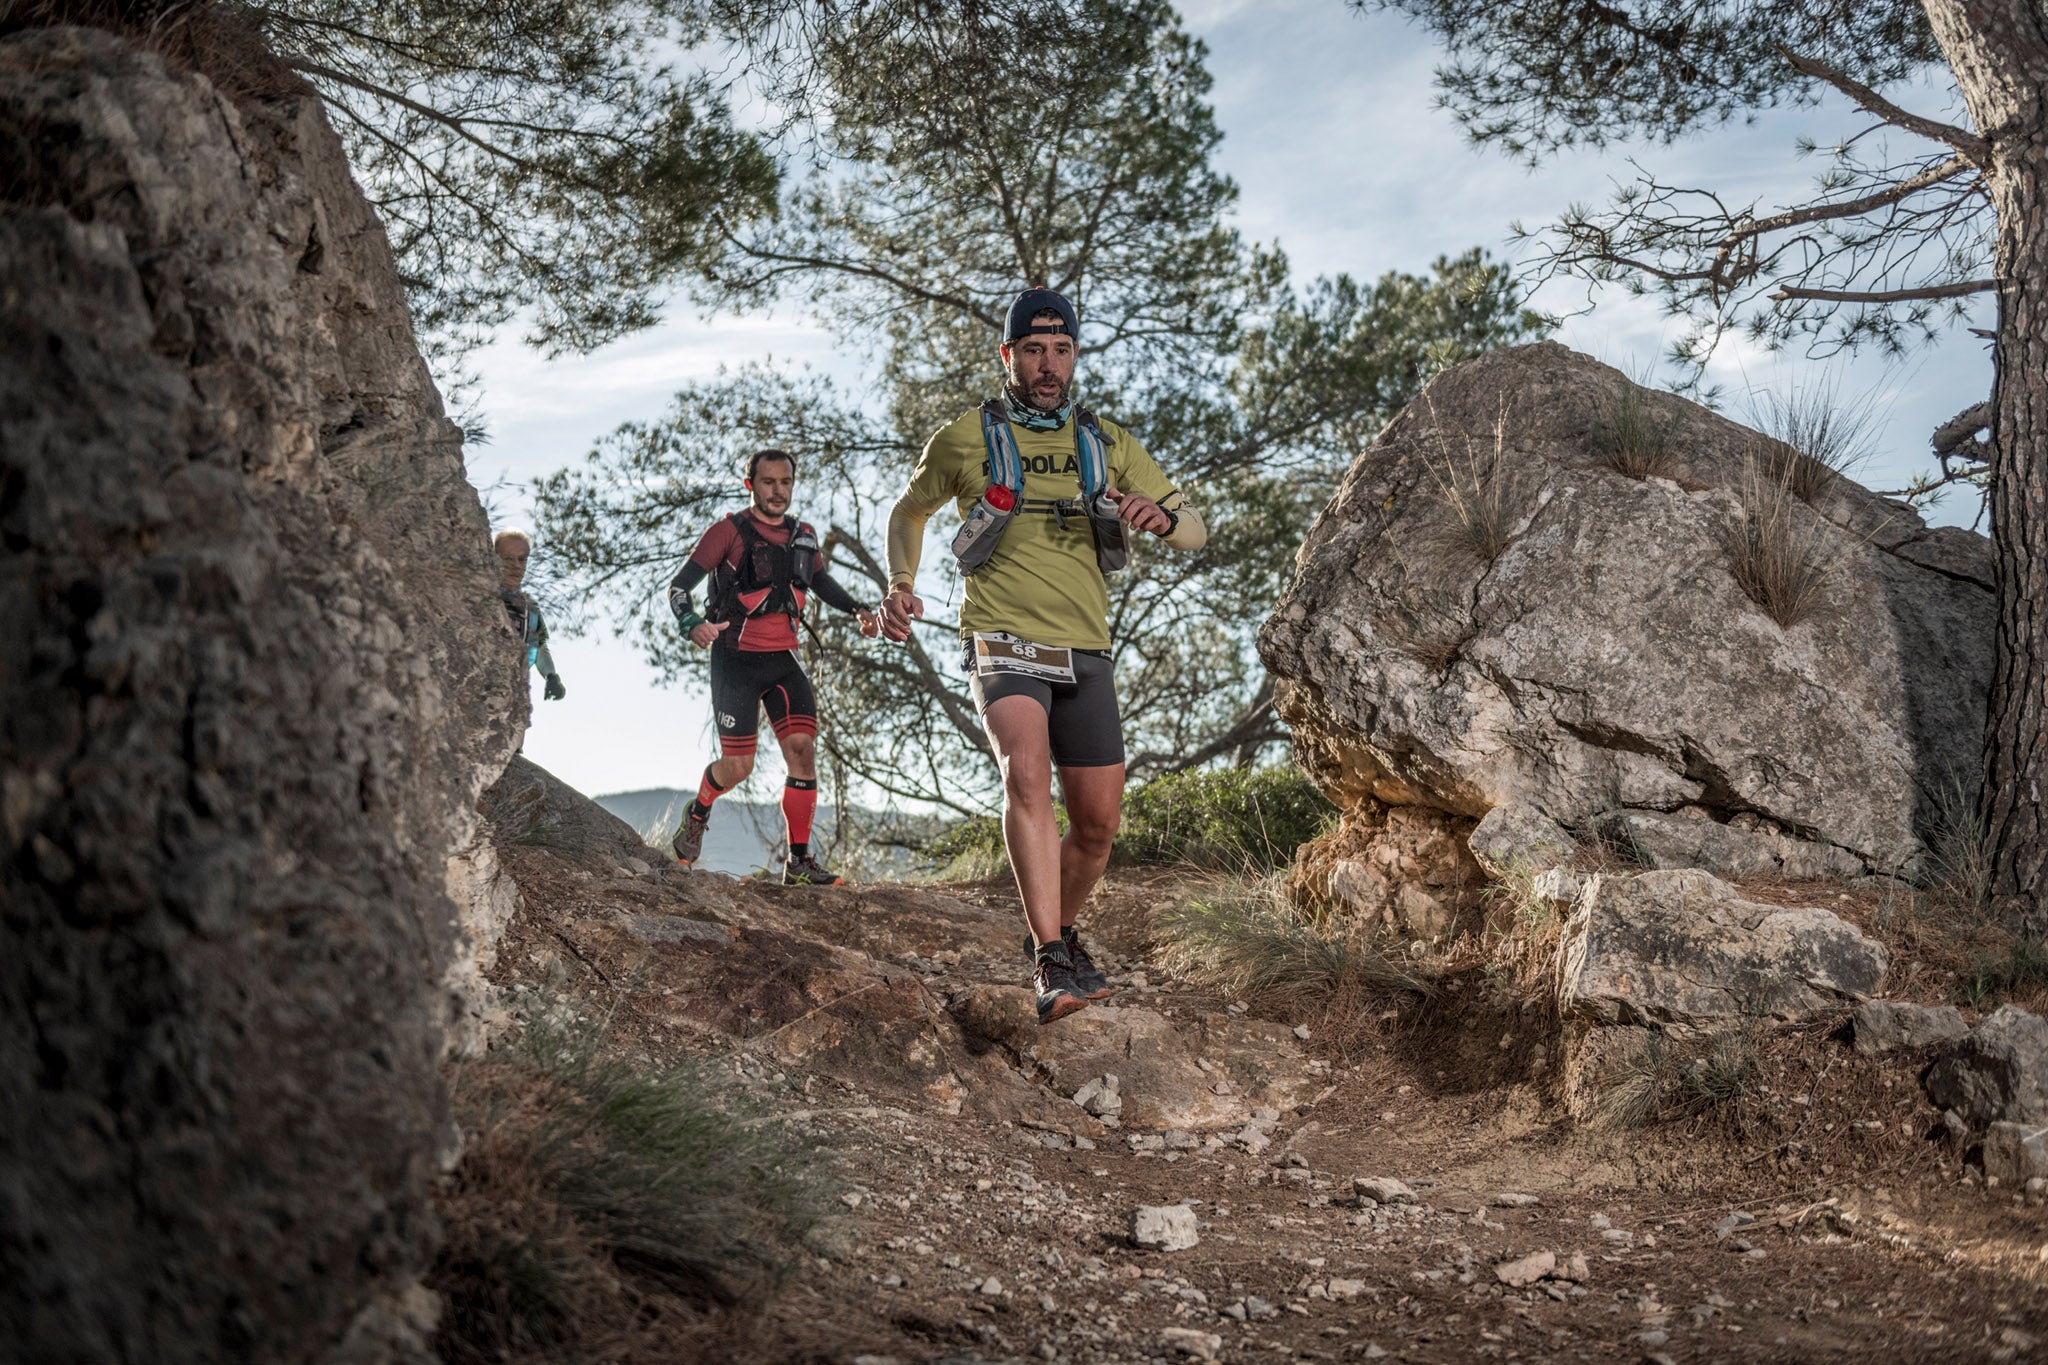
(720, 552)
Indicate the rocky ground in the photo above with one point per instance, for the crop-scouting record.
(1403, 1188)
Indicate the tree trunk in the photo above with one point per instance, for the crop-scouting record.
(1998, 50)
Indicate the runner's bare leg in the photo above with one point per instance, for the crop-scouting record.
(1094, 806)
(1017, 729)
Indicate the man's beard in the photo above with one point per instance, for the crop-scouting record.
(1028, 400)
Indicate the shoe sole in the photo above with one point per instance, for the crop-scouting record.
(1102, 994)
(805, 881)
(1061, 1008)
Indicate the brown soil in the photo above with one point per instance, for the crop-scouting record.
(970, 1237)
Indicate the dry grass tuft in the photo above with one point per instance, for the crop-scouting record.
(1640, 443)
(1478, 490)
(602, 1205)
(1782, 553)
(1816, 438)
(1433, 626)
(220, 42)
(1671, 1077)
(1249, 940)
(1959, 847)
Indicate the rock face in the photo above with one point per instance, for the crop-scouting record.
(1683, 948)
(1603, 662)
(1882, 1026)
(256, 679)
(1998, 1073)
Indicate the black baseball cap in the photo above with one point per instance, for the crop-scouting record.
(1032, 302)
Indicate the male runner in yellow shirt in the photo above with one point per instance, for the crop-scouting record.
(1035, 621)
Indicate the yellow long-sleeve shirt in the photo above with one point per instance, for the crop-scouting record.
(1042, 583)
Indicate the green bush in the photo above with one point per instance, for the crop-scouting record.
(1232, 817)
(1228, 817)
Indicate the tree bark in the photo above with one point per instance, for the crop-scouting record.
(1998, 50)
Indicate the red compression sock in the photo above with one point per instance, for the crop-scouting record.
(799, 807)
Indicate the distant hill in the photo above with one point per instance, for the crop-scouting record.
(747, 835)
(744, 835)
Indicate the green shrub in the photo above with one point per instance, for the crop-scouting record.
(592, 1184)
(1228, 817)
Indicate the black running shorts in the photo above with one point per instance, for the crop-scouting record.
(1082, 720)
(743, 681)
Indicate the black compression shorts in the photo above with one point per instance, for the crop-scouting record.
(743, 681)
(1082, 720)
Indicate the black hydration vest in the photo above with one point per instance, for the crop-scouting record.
(781, 569)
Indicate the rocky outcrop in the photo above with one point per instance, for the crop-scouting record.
(1998, 1073)
(257, 678)
(1884, 1026)
(1682, 948)
(1402, 866)
(1490, 612)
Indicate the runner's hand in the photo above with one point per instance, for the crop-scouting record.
(704, 634)
(1139, 512)
(870, 624)
(899, 608)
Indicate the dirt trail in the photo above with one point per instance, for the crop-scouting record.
(987, 1218)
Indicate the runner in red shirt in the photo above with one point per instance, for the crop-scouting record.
(763, 564)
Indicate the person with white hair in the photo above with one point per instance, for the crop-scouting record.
(514, 549)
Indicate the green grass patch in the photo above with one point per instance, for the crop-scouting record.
(1227, 817)
(597, 1194)
(1237, 818)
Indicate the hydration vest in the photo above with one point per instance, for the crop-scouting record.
(1091, 449)
(525, 618)
(769, 576)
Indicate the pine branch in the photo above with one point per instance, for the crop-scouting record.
(1974, 149)
(1931, 291)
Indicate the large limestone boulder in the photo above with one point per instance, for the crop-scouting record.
(1603, 662)
(1684, 948)
(256, 678)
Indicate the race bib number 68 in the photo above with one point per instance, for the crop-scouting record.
(999, 653)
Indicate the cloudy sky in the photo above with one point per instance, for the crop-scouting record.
(1332, 134)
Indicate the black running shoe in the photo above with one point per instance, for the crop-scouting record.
(1053, 974)
(689, 841)
(1088, 978)
(808, 871)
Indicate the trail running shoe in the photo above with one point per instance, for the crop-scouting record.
(689, 840)
(808, 871)
(1053, 974)
(1088, 978)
